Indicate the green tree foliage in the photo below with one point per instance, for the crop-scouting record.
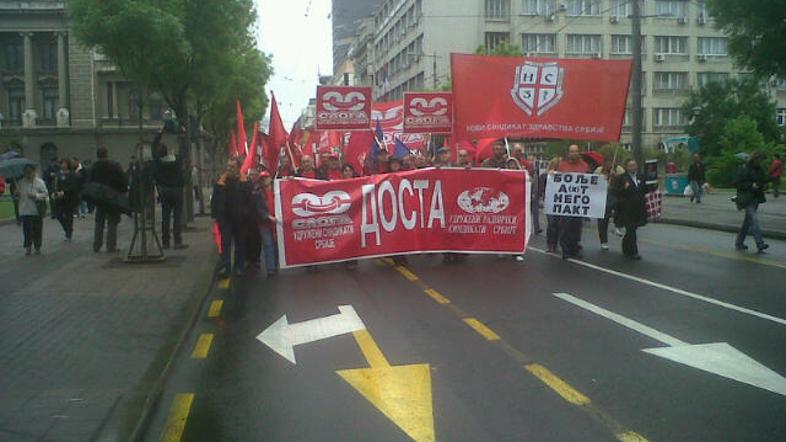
(722, 102)
(503, 50)
(740, 134)
(757, 35)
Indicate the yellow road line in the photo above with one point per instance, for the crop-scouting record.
(202, 346)
(370, 349)
(178, 415)
(223, 283)
(407, 274)
(482, 329)
(215, 308)
(437, 296)
(562, 388)
(720, 253)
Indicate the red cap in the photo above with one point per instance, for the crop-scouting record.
(264, 173)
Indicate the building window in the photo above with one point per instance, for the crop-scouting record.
(671, 45)
(620, 8)
(47, 57)
(583, 7)
(673, 8)
(780, 84)
(539, 7)
(671, 81)
(539, 43)
(715, 46)
(494, 39)
(497, 9)
(49, 98)
(156, 105)
(14, 57)
(621, 44)
(16, 104)
(583, 44)
(705, 78)
(701, 9)
(669, 118)
(780, 116)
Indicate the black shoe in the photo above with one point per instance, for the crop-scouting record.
(741, 247)
(165, 246)
(762, 248)
(635, 257)
(180, 246)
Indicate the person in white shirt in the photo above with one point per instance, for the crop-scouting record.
(33, 196)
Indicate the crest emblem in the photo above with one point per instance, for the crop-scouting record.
(537, 87)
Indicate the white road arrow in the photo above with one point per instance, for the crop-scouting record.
(282, 336)
(718, 358)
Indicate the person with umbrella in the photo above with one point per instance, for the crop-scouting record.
(32, 195)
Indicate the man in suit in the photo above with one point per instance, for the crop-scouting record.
(631, 207)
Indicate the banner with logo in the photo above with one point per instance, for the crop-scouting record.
(425, 210)
(576, 195)
(343, 107)
(428, 112)
(539, 97)
(391, 118)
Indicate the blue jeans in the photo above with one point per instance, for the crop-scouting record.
(751, 223)
(271, 249)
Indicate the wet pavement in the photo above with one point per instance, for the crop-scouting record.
(494, 350)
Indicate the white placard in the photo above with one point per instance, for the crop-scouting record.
(575, 194)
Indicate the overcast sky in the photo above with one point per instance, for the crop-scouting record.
(301, 46)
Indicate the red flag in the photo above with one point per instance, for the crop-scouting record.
(277, 134)
(232, 144)
(251, 159)
(484, 149)
(217, 236)
(242, 139)
(358, 147)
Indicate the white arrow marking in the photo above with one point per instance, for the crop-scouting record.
(718, 358)
(282, 336)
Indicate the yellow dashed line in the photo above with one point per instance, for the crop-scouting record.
(178, 415)
(437, 296)
(482, 329)
(202, 346)
(215, 308)
(223, 283)
(407, 274)
(561, 387)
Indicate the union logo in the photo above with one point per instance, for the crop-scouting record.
(336, 101)
(483, 200)
(331, 203)
(538, 87)
(437, 106)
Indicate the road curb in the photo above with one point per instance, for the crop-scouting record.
(772, 234)
(129, 420)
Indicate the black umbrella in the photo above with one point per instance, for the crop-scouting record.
(15, 167)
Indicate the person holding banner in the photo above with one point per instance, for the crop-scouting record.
(631, 212)
(229, 208)
(552, 221)
(497, 161)
(513, 164)
(570, 226)
(267, 222)
(307, 169)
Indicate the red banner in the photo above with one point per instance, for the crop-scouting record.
(391, 118)
(539, 97)
(428, 112)
(343, 107)
(426, 210)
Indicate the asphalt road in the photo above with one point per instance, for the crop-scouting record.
(534, 367)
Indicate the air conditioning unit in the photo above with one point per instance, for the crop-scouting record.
(660, 58)
(597, 56)
(701, 20)
(701, 58)
(563, 7)
(550, 17)
(682, 20)
(614, 19)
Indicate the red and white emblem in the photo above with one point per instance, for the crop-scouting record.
(538, 87)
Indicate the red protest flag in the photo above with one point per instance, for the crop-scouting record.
(251, 159)
(484, 149)
(277, 135)
(242, 138)
(357, 149)
(232, 144)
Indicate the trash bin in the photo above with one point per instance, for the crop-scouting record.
(676, 184)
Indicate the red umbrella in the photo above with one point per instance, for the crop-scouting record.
(595, 157)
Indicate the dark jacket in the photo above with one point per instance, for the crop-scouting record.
(109, 173)
(168, 172)
(631, 207)
(696, 172)
(747, 176)
(232, 202)
(69, 183)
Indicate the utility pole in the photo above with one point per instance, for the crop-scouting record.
(638, 152)
(434, 70)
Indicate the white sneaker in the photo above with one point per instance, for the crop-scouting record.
(618, 232)
(519, 258)
(604, 246)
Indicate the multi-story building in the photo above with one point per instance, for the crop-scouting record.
(58, 98)
(681, 49)
(347, 15)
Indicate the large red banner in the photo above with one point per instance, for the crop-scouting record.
(426, 210)
(343, 107)
(429, 112)
(539, 97)
(391, 118)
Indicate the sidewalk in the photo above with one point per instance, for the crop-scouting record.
(86, 337)
(717, 212)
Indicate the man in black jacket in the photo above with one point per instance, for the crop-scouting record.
(631, 213)
(751, 182)
(696, 178)
(109, 173)
(230, 207)
(168, 172)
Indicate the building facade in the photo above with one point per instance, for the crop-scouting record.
(681, 49)
(58, 98)
(347, 16)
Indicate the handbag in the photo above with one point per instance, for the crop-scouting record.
(41, 206)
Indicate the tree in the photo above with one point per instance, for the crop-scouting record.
(757, 35)
(720, 102)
